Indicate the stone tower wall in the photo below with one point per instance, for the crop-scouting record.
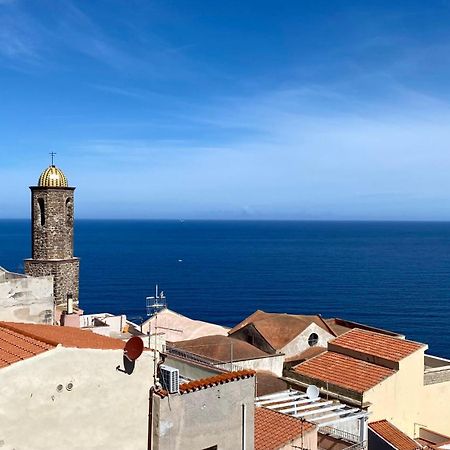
(52, 212)
(52, 223)
(65, 276)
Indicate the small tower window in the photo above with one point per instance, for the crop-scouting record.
(313, 339)
(69, 212)
(41, 210)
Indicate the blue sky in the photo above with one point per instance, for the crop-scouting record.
(237, 109)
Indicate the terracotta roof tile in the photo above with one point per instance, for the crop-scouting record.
(16, 347)
(205, 383)
(220, 348)
(306, 354)
(274, 430)
(278, 329)
(341, 326)
(376, 344)
(66, 336)
(393, 435)
(267, 383)
(344, 371)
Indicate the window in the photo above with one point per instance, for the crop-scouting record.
(41, 210)
(313, 339)
(69, 212)
(214, 447)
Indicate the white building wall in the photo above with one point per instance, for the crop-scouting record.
(26, 299)
(273, 364)
(300, 343)
(105, 409)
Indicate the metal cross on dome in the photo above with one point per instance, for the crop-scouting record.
(52, 155)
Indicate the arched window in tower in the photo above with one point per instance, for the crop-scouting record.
(41, 210)
(69, 212)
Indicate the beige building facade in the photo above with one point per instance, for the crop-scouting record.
(388, 376)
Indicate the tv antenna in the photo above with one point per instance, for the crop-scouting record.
(153, 306)
(157, 303)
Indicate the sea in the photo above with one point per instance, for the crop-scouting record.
(393, 275)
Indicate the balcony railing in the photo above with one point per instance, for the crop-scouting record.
(341, 434)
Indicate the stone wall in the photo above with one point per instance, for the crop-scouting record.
(25, 299)
(52, 223)
(52, 241)
(65, 274)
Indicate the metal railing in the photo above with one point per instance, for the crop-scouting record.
(225, 366)
(359, 446)
(335, 432)
(191, 356)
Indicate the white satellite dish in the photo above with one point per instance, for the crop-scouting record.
(312, 392)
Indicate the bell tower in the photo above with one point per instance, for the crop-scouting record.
(52, 205)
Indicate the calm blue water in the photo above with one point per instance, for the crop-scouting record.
(391, 275)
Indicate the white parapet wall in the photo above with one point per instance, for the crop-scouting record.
(71, 398)
(26, 299)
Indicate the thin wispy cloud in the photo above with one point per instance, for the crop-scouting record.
(301, 112)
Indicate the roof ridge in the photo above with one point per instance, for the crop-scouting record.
(328, 326)
(204, 383)
(393, 439)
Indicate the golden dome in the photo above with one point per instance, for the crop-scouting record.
(52, 177)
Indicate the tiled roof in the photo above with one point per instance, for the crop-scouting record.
(343, 371)
(220, 348)
(177, 327)
(274, 430)
(280, 329)
(16, 347)
(205, 383)
(376, 344)
(341, 326)
(267, 383)
(310, 352)
(66, 336)
(393, 435)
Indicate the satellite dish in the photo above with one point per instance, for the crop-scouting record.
(312, 392)
(134, 348)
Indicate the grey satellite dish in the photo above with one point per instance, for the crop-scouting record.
(312, 392)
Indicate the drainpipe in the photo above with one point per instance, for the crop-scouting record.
(244, 428)
(150, 418)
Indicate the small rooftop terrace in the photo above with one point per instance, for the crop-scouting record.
(436, 370)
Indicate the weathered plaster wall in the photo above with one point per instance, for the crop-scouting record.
(65, 275)
(105, 409)
(26, 299)
(205, 418)
(191, 370)
(272, 363)
(300, 343)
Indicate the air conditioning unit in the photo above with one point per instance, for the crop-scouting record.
(170, 379)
